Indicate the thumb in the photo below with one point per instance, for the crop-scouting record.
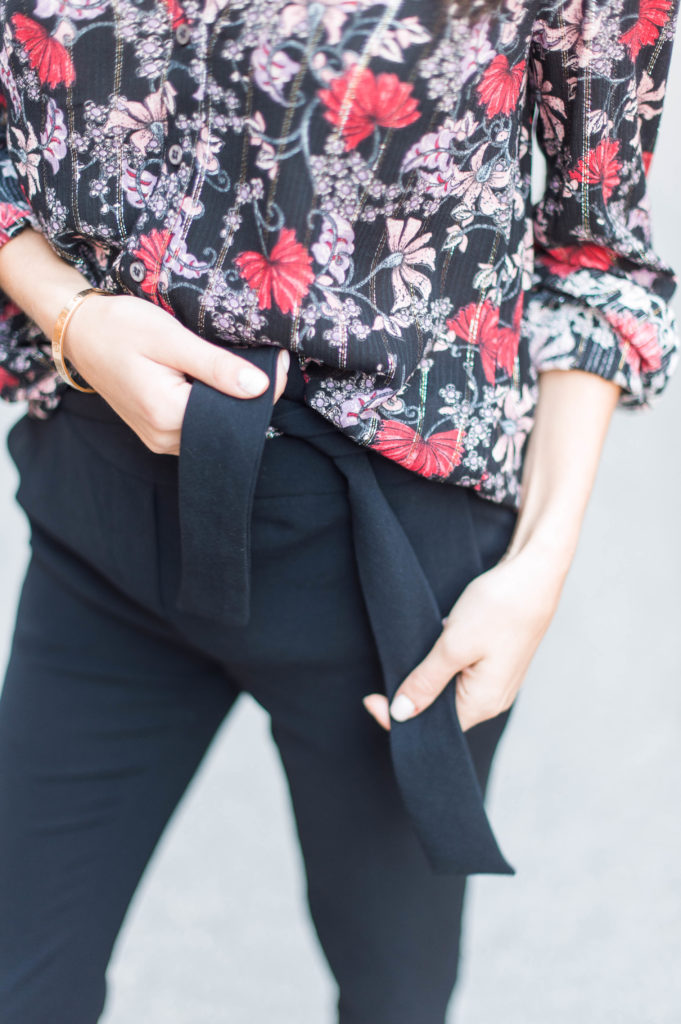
(215, 365)
(429, 678)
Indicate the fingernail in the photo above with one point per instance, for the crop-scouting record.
(402, 708)
(284, 359)
(253, 381)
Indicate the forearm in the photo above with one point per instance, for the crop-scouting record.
(36, 278)
(572, 419)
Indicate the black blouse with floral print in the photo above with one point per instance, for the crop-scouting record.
(350, 179)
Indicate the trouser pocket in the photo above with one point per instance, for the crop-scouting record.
(70, 485)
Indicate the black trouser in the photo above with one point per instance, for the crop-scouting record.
(112, 697)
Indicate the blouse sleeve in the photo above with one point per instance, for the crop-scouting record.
(24, 362)
(600, 296)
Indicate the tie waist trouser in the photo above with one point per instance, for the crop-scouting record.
(295, 569)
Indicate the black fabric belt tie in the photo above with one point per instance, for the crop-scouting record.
(431, 759)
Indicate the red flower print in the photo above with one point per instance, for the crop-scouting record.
(46, 55)
(500, 87)
(176, 13)
(284, 277)
(641, 344)
(647, 160)
(9, 214)
(601, 167)
(7, 379)
(563, 260)
(436, 455)
(152, 251)
(478, 324)
(651, 17)
(359, 102)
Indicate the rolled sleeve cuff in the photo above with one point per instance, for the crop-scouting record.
(604, 324)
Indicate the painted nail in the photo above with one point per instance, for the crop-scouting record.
(402, 708)
(253, 381)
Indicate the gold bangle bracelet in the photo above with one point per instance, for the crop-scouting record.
(60, 330)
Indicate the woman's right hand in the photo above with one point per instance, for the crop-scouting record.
(137, 356)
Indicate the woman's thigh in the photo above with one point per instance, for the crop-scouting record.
(389, 926)
(103, 722)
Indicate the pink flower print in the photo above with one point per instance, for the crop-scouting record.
(409, 251)
(53, 135)
(639, 341)
(516, 423)
(7, 78)
(138, 184)
(206, 148)
(477, 186)
(360, 406)
(146, 121)
(391, 44)
(431, 157)
(26, 147)
(334, 249)
(295, 15)
(74, 10)
(479, 51)
(211, 9)
(273, 71)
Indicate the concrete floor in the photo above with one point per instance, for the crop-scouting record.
(585, 795)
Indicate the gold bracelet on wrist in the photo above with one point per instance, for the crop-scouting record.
(60, 330)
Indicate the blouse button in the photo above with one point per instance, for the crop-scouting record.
(138, 271)
(175, 154)
(183, 33)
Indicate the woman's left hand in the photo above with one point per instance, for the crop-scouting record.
(493, 630)
(488, 639)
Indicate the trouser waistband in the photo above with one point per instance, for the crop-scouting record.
(220, 453)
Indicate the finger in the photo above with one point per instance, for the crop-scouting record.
(283, 364)
(483, 693)
(215, 366)
(429, 678)
(377, 706)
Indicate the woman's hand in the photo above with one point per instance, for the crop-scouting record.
(494, 629)
(132, 352)
(136, 356)
(488, 641)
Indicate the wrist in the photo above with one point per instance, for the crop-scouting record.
(78, 325)
(61, 351)
(551, 535)
(29, 257)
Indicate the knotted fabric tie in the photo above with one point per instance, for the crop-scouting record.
(221, 449)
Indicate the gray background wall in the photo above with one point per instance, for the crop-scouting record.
(585, 795)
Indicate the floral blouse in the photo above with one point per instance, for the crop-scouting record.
(351, 179)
